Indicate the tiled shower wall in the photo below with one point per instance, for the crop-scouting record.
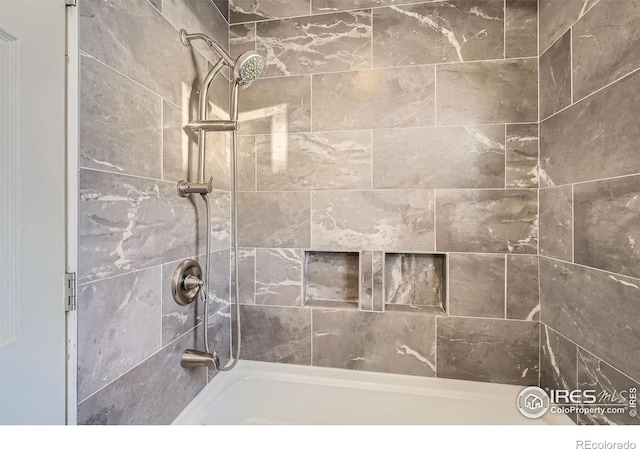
(389, 127)
(138, 90)
(589, 197)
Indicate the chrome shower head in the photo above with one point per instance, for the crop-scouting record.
(248, 68)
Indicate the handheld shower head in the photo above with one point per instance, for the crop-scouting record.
(248, 67)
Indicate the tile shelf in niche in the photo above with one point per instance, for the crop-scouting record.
(330, 279)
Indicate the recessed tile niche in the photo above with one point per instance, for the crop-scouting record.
(331, 279)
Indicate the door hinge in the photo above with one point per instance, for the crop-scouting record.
(71, 2)
(69, 292)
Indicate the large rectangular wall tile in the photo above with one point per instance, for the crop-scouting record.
(220, 336)
(498, 221)
(607, 225)
(134, 398)
(276, 334)
(557, 16)
(387, 98)
(247, 273)
(252, 10)
(555, 77)
(322, 6)
(522, 156)
(274, 219)
(428, 33)
(611, 386)
(556, 223)
(119, 325)
(613, 28)
(477, 285)
(415, 281)
(331, 276)
(128, 223)
(279, 277)
(486, 350)
(120, 129)
(315, 44)
(452, 157)
(276, 105)
(242, 38)
(392, 343)
(488, 92)
(558, 358)
(400, 220)
(149, 52)
(596, 309)
(247, 163)
(334, 160)
(523, 297)
(595, 138)
(521, 30)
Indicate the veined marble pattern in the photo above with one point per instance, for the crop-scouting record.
(427, 33)
(555, 77)
(556, 222)
(322, 6)
(613, 28)
(331, 277)
(571, 300)
(315, 44)
(488, 350)
(220, 336)
(276, 334)
(247, 163)
(391, 343)
(523, 298)
(366, 280)
(128, 223)
(558, 359)
(452, 157)
(400, 220)
(366, 99)
(557, 16)
(522, 156)
(247, 272)
(521, 31)
(276, 105)
(477, 285)
(488, 92)
(117, 134)
(378, 281)
(499, 221)
(118, 327)
(416, 281)
(274, 219)
(607, 225)
(242, 38)
(279, 277)
(333, 160)
(252, 10)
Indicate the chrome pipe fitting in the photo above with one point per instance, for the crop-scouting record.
(192, 358)
(186, 188)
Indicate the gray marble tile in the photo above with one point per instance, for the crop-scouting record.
(488, 92)
(323, 6)
(223, 7)
(247, 163)
(557, 16)
(335, 160)
(145, 46)
(522, 156)
(316, 44)
(274, 219)
(558, 359)
(607, 225)
(415, 281)
(595, 138)
(119, 326)
(276, 334)
(521, 28)
(331, 277)
(399, 220)
(477, 285)
(556, 223)
(555, 77)
(247, 273)
(276, 105)
(377, 269)
(279, 277)
(252, 10)
(487, 350)
(157, 4)
(154, 392)
(120, 130)
(596, 310)
(523, 296)
(219, 336)
(384, 342)
(465, 157)
(242, 38)
(498, 221)
(605, 41)
(366, 281)
(176, 319)
(429, 33)
(128, 223)
(611, 386)
(386, 98)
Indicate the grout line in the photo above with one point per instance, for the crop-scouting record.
(590, 181)
(311, 336)
(399, 189)
(435, 346)
(573, 224)
(371, 41)
(506, 151)
(504, 30)
(541, 325)
(506, 261)
(371, 168)
(435, 220)
(565, 30)
(162, 139)
(435, 96)
(311, 104)
(611, 273)
(571, 84)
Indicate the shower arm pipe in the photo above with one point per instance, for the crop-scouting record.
(186, 38)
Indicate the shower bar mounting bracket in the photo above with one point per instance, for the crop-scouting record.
(186, 188)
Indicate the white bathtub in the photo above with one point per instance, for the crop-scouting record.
(270, 393)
